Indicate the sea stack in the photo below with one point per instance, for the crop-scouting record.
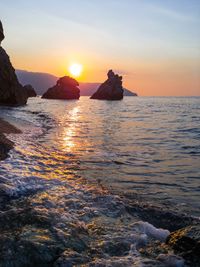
(12, 92)
(111, 89)
(65, 88)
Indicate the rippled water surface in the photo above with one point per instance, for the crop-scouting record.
(148, 147)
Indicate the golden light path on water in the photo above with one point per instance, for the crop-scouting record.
(69, 131)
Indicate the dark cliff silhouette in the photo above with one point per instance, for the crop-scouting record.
(30, 90)
(11, 91)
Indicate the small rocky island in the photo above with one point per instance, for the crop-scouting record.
(111, 89)
(12, 92)
(65, 88)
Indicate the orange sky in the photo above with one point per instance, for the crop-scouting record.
(155, 45)
(157, 78)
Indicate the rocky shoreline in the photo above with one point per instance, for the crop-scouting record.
(5, 144)
(83, 224)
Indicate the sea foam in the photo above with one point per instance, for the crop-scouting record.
(150, 231)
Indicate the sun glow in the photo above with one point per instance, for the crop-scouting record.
(76, 69)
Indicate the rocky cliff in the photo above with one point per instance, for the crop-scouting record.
(30, 90)
(11, 91)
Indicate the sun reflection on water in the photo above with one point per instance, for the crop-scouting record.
(70, 130)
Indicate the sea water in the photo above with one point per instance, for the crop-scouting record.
(148, 146)
(143, 149)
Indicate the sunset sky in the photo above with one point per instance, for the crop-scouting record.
(154, 44)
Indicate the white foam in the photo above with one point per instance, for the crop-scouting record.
(151, 231)
(139, 239)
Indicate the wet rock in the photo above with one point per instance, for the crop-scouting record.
(11, 91)
(128, 261)
(186, 242)
(160, 218)
(30, 90)
(111, 89)
(17, 217)
(155, 248)
(171, 260)
(5, 146)
(112, 248)
(65, 88)
(29, 246)
(27, 238)
(5, 143)
(70, 258)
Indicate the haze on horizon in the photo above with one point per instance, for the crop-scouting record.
(154, 44)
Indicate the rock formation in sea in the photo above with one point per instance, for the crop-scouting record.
(111, 89)
(30, 90)
(11, 91)
(40, 81)
(65, 88)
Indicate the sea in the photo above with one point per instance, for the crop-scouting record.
(142, 151)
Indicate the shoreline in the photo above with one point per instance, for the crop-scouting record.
(74, 228)
(5, 144)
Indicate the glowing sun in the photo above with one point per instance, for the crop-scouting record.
(76, 70)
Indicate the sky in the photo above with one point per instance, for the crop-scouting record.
(153, 44)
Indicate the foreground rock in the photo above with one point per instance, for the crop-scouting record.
(111, 89)
(5, 143)
(65, 88)
(11, 91)
(30, 90)
(5, 146)
(186, 243)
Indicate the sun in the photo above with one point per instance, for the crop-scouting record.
(75, 69)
